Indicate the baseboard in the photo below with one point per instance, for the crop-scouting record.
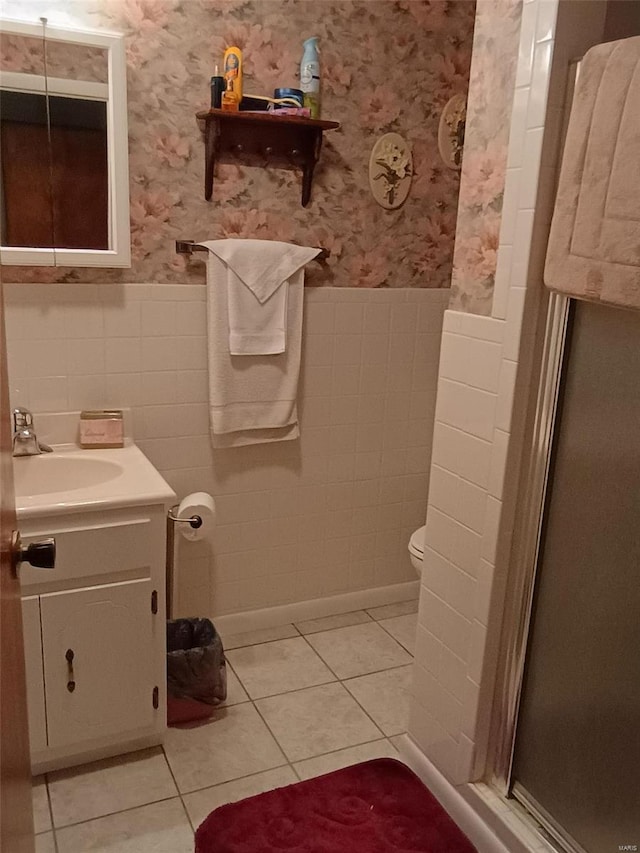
(49, 760)
(452, 800)
(270, 617)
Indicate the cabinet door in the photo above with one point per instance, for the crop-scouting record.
(99, 670)
(33, 666)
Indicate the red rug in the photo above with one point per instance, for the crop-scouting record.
(376, 807)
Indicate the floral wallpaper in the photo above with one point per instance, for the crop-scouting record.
(484, 162)
(72, 61)
(387, 65)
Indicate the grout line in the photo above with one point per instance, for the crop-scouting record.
(357, 701)
(343, 749)
(175, 782)
(244, 689)
(289, 692)
(236, 779)
(375, 619)
(456, 520)
(120, 811)
(377, 672)
(373, 672)
(45, 776)
(264, 642)
(399, 642)
(320, 618)
(332, 671)
(278, 744)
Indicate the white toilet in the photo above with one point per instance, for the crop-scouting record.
(416, 549)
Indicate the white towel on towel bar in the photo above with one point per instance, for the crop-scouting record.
(594, 243)
(252, 399)
(258, 273)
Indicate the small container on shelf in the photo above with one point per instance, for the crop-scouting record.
(290, 95)
(218, 86)
(232, 68)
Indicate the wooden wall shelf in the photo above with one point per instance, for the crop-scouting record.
(263, 139)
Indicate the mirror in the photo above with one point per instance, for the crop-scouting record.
(64, 194)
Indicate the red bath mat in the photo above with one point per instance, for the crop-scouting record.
(376, 807)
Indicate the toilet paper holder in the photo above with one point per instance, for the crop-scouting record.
(194, 520)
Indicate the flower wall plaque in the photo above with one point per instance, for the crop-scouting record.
(390, 170)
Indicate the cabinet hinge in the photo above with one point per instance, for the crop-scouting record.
(154, 601)
(156, 698)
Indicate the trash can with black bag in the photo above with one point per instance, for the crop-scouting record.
(196, 670)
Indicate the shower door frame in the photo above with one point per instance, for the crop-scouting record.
(527, 536)
(525, 553)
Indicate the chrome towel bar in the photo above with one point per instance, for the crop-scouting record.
(188, 247)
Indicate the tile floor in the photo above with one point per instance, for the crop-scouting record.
(302, 700)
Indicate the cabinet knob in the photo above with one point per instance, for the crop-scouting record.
(41, 554)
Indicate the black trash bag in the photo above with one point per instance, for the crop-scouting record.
(196, 666)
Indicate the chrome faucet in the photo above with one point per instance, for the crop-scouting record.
(25, 440)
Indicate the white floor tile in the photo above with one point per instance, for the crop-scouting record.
(344, 758)
(234, 743)
(272, 668)
(358, 650)
(41, 815)
(403, 628)
(385, 696)
(262, 635)
(386, 611)
(316, 720)
(341, 620)
(201, 803)
(157, 828)
(45, 843)
(111, 785)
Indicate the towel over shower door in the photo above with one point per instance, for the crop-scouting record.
(577, 756)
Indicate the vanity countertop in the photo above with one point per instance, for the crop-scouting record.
(72, 479)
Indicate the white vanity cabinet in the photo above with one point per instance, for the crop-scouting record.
(94, 631)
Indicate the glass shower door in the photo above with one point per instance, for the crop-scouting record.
(577, 754)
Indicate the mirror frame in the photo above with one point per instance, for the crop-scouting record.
(119, 253)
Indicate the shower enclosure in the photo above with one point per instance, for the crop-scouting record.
(576, 760)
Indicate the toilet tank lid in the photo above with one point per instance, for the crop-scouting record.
(416, 542)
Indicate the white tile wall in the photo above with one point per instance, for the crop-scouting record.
(328, 514)
(475, 449)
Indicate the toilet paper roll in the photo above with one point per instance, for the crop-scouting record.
(202, 504)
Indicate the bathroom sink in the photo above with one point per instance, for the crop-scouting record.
(71, 480)
(60, 472)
